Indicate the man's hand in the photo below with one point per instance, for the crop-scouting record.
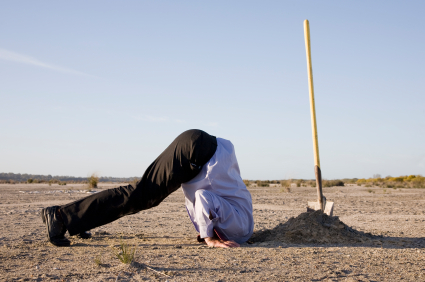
(217, 243)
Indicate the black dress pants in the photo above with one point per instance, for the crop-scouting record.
(180, 162)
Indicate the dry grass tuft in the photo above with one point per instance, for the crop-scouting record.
(134, 182)
(98, 260)
(125, 253)
(93, 180)
(286, 185)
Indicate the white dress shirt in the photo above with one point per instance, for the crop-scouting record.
(218, 199)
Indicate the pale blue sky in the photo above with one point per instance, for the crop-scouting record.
(105, 86)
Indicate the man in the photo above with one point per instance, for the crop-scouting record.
(217, 200)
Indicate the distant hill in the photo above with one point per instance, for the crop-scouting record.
(24, 177)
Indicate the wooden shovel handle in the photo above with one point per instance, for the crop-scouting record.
(313, 115)
(318, 173)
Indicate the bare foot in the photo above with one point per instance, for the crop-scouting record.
(217, 243)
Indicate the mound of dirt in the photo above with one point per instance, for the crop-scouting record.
(316, 228)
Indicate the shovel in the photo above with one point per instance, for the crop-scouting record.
(321, 204)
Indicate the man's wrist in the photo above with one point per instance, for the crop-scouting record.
(206, 231)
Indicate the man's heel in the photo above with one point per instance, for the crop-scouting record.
(43, 216)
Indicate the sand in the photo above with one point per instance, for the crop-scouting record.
(313, 227)
(376, 235)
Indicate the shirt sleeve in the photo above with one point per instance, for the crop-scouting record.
(205, 213)
(206, 230)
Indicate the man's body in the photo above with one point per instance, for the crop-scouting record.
(195, 160)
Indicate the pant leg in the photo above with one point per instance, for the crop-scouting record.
(181, 161)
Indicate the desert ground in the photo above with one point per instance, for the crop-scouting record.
(167, 250)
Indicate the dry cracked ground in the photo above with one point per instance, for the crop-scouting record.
(167, 250)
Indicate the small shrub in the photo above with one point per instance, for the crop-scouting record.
(262, 183)
(30, 180)
(300, 182)
(10, 181)
(98, 260)
(125, 253)
(409, 178)
(397, 179)
(370, 191)
(136, 180)
(418, 182)
(332, 183)
(93, 180)
(285, 189)
(286, 185)
(361, 181)
(338, 183)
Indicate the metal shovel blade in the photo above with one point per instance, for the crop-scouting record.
(315, 206)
